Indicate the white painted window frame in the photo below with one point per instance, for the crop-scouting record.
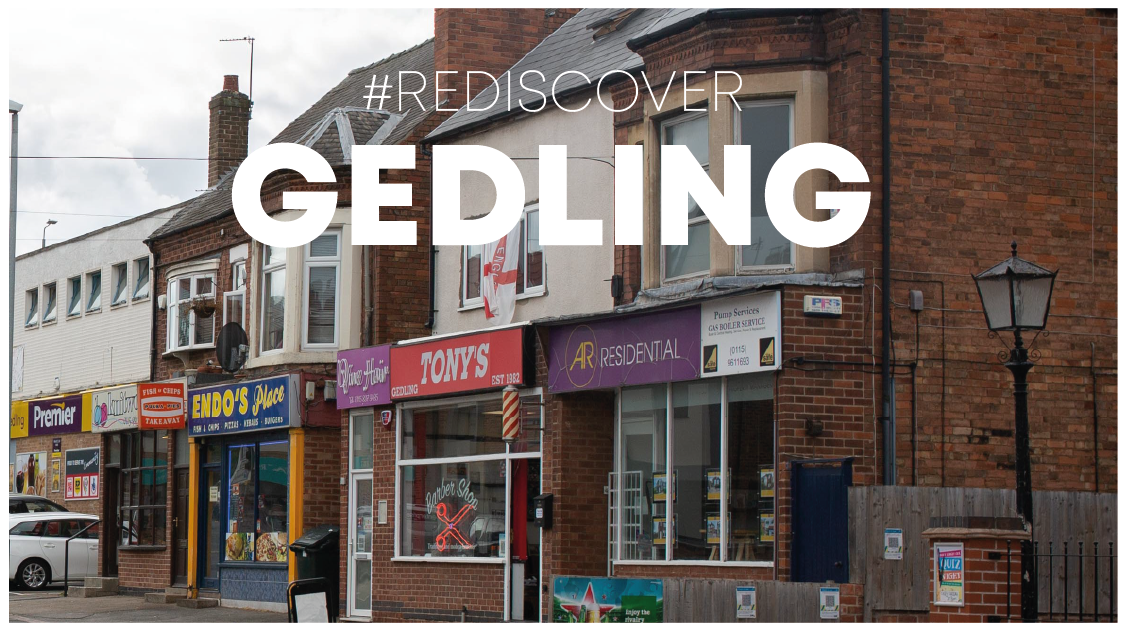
(738, 139)
(310, 262)
(702, 219)
(173, 310)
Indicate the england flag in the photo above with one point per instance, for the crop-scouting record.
(501, 268)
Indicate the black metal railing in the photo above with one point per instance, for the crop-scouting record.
(66, 554)
(1076, 581)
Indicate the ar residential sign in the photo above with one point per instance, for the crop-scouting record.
(459, 364)
(58, 415)
(647, 349)
(363, 377)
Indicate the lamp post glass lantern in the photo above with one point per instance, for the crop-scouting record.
(1016, 295)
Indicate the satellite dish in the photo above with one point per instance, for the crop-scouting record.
(232, 347)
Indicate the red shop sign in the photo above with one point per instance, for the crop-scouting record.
(464, 363)
(161, 405)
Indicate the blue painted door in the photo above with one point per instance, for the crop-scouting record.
(820, 517)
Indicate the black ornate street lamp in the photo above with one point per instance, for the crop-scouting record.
(1016, 295)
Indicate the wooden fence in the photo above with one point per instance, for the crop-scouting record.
(690, 600)
(903, 585)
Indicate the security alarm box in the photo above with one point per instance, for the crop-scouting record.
(543, 505)
(823, 306)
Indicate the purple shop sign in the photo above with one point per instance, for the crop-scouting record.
(363, 377)
(58, 415)
(648, 349)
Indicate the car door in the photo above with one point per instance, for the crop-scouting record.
(89, 540)
(23, 543)
(53, 544)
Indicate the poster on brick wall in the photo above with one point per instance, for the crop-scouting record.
(949, 574)
(82, 480)
(31, 473)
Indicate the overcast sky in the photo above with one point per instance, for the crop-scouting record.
(136, 83)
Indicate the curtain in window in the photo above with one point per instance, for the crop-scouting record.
(322, 305)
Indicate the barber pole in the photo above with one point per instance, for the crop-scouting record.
(510, 405)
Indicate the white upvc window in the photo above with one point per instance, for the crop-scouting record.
(74, 296)
(322, 292)
(31, 302)
(191, 311)
(234, 302)
(768, 126)
(94, 287)
(272, 328)
(140, 278)
(693, 258)
(120, 284)
(50, 300)
(531, 274)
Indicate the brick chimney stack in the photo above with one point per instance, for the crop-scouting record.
(491, 40)
(228, 138)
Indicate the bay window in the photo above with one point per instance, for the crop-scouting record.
(695, 472)
(452, 473)
(272, 330)
(693, 258)
(322, 282)
(768, 127)
(191, 311)
(234, 302)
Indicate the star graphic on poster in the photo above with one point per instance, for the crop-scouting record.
(588, 605)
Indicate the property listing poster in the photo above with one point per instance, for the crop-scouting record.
(82, 479)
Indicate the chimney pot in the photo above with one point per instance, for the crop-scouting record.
(230, 83)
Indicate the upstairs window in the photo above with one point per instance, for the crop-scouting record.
(234, 302)
(31, 302)
(530, 274)
(272, 331)
(120, 284)
(191, 311)
(693, 258)
(74, 302)
(141, 278)
(768, 127)
(94, 283)
(50, 312)
(322, 282)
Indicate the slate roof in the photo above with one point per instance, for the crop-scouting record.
(571, 47)
(331, 126)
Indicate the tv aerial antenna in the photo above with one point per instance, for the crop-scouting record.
(249, 40)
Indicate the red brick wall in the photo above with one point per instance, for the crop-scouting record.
(229, 130)
(992, 582)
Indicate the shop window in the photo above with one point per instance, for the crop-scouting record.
(452, 470)
(142, 510)
(768, 127)
(94, 287)
(141, 278)
(272, 331)
(31, 302)
(50, 297)
(120, 284)
(74, 299)
(530, 274)
(322, 295)
(234, 302)
(191, 311)
(257, 502)
(693, 258)
(688, 509)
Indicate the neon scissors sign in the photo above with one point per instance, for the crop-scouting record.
(452, 530)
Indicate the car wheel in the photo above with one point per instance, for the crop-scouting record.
(33, 574)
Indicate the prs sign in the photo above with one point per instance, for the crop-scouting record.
(453, 365)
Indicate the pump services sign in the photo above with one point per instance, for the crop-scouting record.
(244, 406)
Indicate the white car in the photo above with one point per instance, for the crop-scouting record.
(37, 545)
(24, 503)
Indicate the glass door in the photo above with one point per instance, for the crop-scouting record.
(360, 533)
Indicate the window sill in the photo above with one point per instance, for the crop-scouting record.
(187, 350)
(35, 326)
(94, 311)
(141, 547)
(48, 323)
(73, 316)
(141, 299)
(519, 297)
(450, 560)
(765, 270)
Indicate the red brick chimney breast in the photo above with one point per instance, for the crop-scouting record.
(229, 133)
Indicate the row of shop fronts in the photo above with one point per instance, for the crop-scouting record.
(645, 443)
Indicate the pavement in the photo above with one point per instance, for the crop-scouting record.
(50, 606)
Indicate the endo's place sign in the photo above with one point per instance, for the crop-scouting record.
(658, 347)
(244, 406)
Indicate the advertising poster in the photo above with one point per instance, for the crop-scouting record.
(949, 577)
(766, 527)
(713, 528)
(660, 530)
(113, 409)
(766, 483)
(714, 484)
(893, 544)
(31, 473)
(56, 475)
(161, 405)
(607, 600)
(81, 472)
(746, 602)
(830, 606)
(739, 334)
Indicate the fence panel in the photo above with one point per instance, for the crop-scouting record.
(713, 600)
(903, 585)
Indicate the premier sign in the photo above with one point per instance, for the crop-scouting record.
(58, 415)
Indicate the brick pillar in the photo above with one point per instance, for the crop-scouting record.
(229, 133)
(990, 574)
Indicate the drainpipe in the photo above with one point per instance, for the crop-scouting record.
(14, 110)
(153, 353)
(888, 386)
(367, 324)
